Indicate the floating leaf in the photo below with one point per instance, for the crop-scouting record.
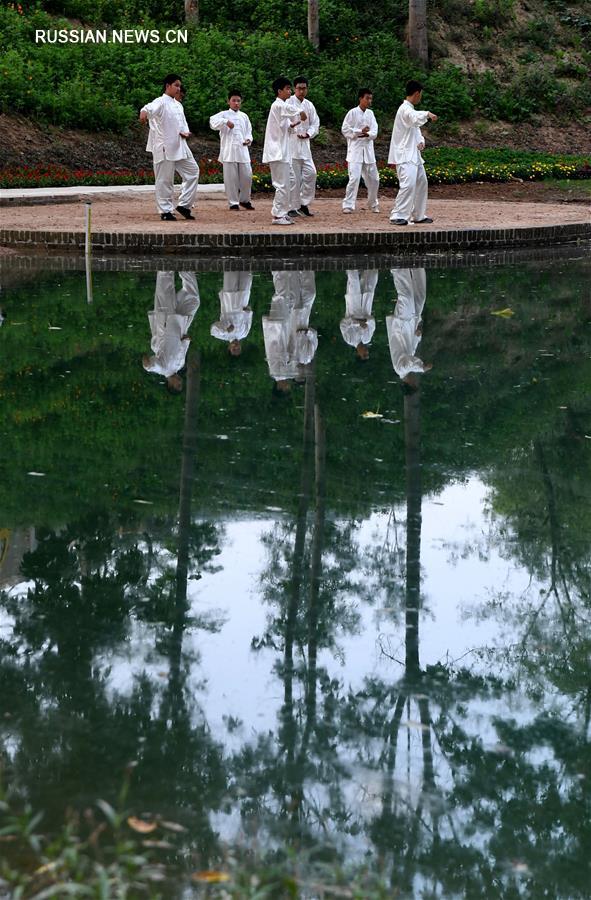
(505, 313)
(37, 474)
(173, 826)
(159, 845)
(145, 502)
(54, 328)
(141, 826)
(371, 415)
(210, 876)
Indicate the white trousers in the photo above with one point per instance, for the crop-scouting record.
(164, 173)
(370, 175)
(303, 182)
(237, 182)
(280, 176)
(411, 200)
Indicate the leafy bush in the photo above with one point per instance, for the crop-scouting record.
(446, 92)
(493, 12)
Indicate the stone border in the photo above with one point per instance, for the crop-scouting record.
(236, 244)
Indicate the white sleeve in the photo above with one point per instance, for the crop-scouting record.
(413, 117)
(247, 129)
(218, 121)
(154, 108)
(314, 124)
(347, 127)
(373, 128)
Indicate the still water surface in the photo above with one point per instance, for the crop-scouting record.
(329, 591)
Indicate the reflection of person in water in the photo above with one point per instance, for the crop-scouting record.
(290, 343)
(405, 327)
(235, 314)
(358, 325)
(169, 323)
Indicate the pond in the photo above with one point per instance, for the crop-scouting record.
(294, 575)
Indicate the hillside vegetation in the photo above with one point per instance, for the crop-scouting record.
(491, 61)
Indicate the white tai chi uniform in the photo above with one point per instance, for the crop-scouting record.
(289, 341)
(235, 314)
(361, 158)
(170, 153)
(411, 200)
(170, 320)
(404, 334)
(303, 170)
(277, 153)
(234, 155)
(358, 324)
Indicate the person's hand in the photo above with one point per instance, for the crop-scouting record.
(143, 116)
(184, 134)
(229, 123)
(365, 129)
(304, 137)
(427, 367)
(303, 116)
(421, 146)
(246, 143)
(432, 116)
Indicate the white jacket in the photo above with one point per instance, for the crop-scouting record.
(277, 147)
(232, 148)
(360, 149)
(406, 134)
(300, 147)
(167, 119)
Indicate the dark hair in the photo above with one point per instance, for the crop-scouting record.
(412, 87)
(234, 93)
(363, 91)
(280, 83)
(170, 79)
(300, 79)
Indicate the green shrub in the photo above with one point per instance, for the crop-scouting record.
(446, 92)
(493, 12)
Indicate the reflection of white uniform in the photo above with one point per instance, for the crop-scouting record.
(234, 154)
(411, 288)
(358, 325)
(235, 315)
(411, 200)
(361, 158)
(289, 340)
(170, 321)
(277, 153)
(170, 152)
(303, 180)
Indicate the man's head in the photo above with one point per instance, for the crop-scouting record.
(234, 348)
(281, 388)
(174, 384)
(365, 98)
(300, 87)
(234, 99)
(414, 91)
(362, 352)
(172, 85)
(282, 88)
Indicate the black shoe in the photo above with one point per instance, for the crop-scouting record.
(235, 206)
(293, 213)
(168, 217)
(399, 221)
(247, 205)
(424, 221)
(304, 211)
(186, 213)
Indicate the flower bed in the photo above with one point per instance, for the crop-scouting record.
(443, 165)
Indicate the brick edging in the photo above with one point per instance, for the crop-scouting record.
(410, 242)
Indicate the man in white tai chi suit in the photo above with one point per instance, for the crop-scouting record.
(169, 323)
(303, 170)
(358, 324)
(167, 142)
(405, 154)
(290, 342)
(361, 129)
(277, 149)
(405, 327)
(235, 139)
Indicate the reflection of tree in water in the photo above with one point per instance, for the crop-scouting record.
(72, 731)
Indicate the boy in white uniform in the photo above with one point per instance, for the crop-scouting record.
(405, 327)
(361, 129)
(405, 154)
(169, 323)
(235, 139)
(235, 314)
(303, 178)
(277, 151)
(167, 142)
(358, 324)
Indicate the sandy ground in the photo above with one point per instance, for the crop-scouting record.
(138, 214)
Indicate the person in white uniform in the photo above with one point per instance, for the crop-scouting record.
(405, 154)
(235, 319)
(277, 148)
(361, 129)
(358, 323)
(167, 142)
(235, 139)
(290, 342)
(303, 170)
(405, 327)
(169, 323)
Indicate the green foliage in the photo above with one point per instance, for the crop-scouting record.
(447, 94)
(493, 12)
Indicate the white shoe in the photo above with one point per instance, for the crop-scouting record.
(348, 211)
(376, 210)
(283, 221)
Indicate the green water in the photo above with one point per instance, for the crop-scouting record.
(352, 648)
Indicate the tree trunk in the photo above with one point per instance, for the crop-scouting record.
(192, 12)
(313, 24)
(417, 31)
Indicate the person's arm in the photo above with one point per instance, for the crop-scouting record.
(219, 121)
(247, 131)
(150, 110)
(347, 128)
(420, 140)
(373, 128)
(414, 118)
(313, 122)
